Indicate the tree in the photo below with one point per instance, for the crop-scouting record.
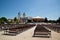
(3, 20)
(58, 20)
(0, 20)
(15, 19)
(52, 21)
(46, 20)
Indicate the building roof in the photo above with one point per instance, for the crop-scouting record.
(37, 17)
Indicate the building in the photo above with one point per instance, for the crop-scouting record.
(38, 19)
(19, 17)
(25, 19)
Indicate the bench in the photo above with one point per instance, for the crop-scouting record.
(41, 31)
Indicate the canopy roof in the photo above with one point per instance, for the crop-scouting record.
(37, 17)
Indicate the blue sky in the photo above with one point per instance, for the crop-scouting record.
(33, 8)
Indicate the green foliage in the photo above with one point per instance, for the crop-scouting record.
(52, 21)
(58, 20)
(3, 20)
(46, 20)
(15, 19)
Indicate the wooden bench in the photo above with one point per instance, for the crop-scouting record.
(13, 28)
(41, 31)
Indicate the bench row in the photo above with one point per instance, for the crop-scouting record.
(41, 30)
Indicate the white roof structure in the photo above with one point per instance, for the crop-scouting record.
(37, 17)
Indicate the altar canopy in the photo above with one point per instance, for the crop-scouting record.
(38, 19)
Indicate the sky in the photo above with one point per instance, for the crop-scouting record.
(33, 8)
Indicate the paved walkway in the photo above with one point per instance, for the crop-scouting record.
(27, 35)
